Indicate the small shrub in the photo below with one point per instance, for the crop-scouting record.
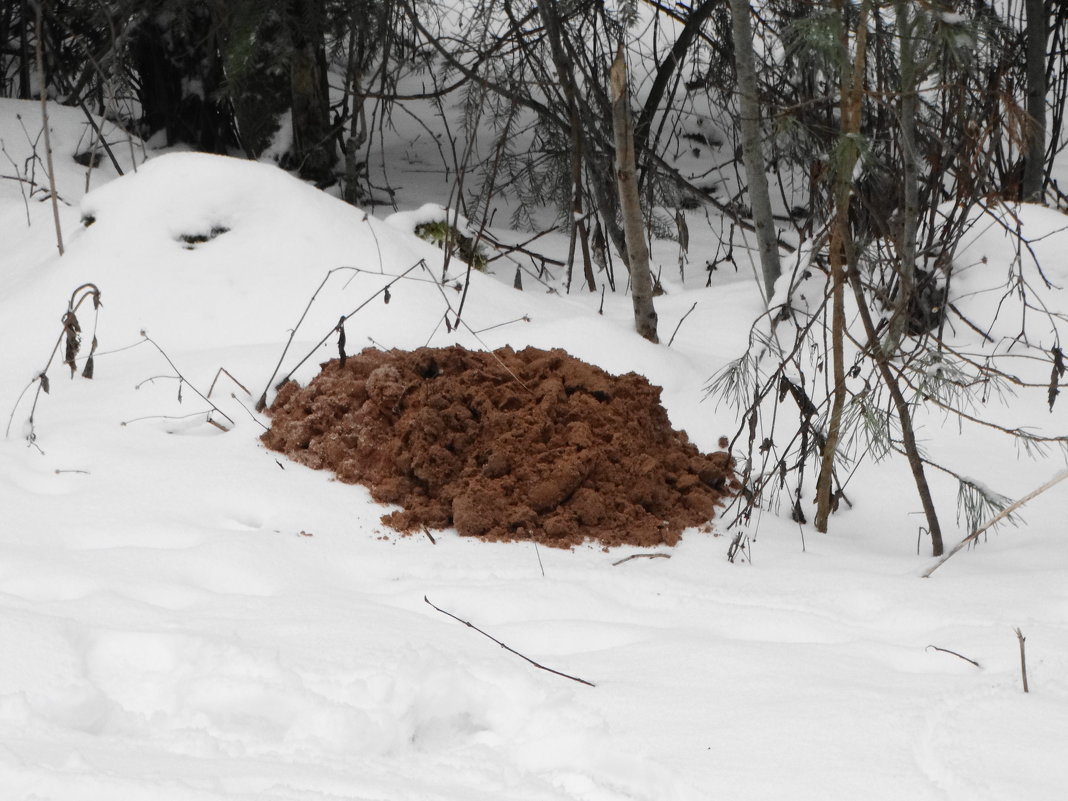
(444, 235)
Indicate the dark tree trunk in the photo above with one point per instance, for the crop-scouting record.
(904, 417)
(910, 211)
(24, 50)
(313, 141)
(159, 82)
(1035, 158)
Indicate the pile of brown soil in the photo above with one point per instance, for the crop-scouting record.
(504, 445)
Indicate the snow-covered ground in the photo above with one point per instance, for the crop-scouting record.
(186, 616)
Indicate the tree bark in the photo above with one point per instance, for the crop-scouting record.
(910, 212)
(641, 284)
(1035, 158)
(24, 51)
(841, 248)
(752, 148)
(313, 142)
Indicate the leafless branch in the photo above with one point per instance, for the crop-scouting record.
(505, 647)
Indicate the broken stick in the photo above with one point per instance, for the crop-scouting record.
(505, 647)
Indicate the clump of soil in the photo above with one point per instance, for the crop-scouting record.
(504, 445)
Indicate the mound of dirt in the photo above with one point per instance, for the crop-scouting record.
(504, 445)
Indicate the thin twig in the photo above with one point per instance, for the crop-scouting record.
(249, 412)
(429, 536)
(100, 135)
(224, 371)
(642, 556)
(487, 348)
(21, 181)
(959, 656)
(505, 647)
(524, 319)
(681, 321)
(504, 250)
(169, 417)
(261, 404)
(185, 381)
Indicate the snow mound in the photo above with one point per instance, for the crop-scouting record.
(221, 251)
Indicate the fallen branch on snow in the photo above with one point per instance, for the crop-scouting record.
(959, 656)
(642, 556)
(505, 647)
(1000, 516)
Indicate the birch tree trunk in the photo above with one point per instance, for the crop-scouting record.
(641, 283)
(752, 147)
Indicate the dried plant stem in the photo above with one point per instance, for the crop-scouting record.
(642, 556)
(44, 119)
(1023, 659)
(524, 319)
(248, 411)
(505, 647)
(228, 374)
(472, 332)
(954, 653)
(20, 181)
(681, 321)
(171, 417)
(77, 297)
(261, 404)
(1008, 510)
(185, 381)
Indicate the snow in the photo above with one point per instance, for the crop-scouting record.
(186, 616)
(952, 18)
(428, 213)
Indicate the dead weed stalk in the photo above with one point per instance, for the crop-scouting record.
(70, 337)
(183, 381)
